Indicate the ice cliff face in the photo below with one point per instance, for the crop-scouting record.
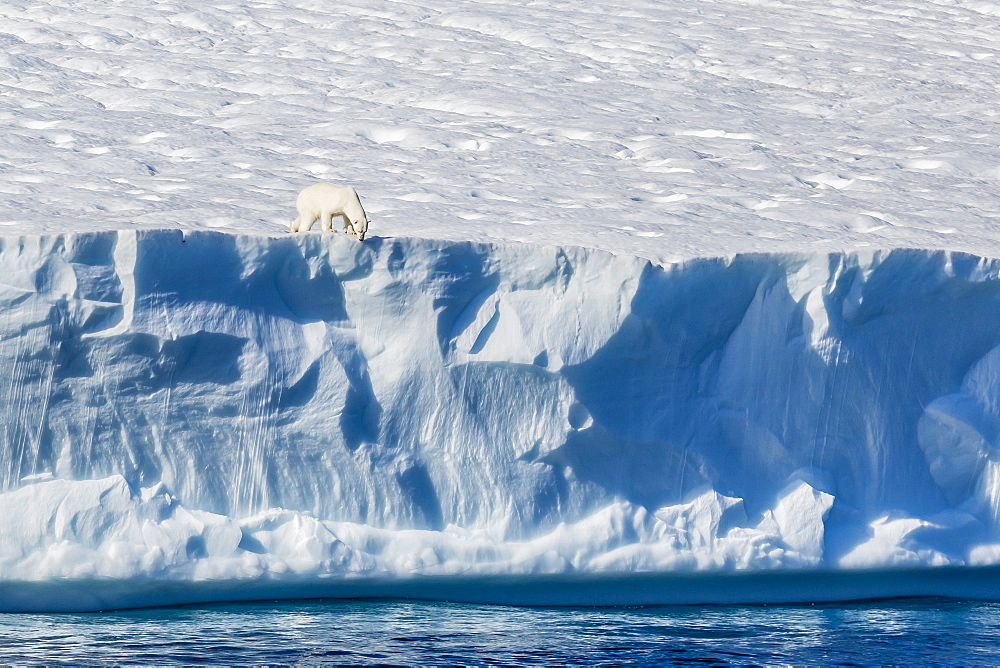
(239, 407)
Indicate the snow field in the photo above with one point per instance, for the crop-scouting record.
(664, 130)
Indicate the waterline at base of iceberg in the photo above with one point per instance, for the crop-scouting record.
(566, 589)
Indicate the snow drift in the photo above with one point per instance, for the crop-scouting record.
(194, 416)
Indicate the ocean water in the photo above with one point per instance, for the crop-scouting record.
(391, 632)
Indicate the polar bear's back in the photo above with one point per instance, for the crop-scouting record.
(324, 195)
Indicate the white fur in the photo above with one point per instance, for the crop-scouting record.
(326, 200)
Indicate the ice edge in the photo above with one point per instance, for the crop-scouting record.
(462, 410)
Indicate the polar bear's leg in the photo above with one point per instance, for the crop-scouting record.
(327, 219)
(294, 227)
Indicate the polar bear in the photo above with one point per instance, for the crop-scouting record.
(326, 200)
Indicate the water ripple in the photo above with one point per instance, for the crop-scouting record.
(412, 633)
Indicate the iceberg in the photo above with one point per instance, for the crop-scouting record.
(206, 416)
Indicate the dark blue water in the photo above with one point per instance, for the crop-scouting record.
(414, 633)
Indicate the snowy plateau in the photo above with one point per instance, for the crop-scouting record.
(662, 302)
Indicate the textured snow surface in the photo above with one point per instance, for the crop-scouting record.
(207, 406)
(188, 414)
(664, 129)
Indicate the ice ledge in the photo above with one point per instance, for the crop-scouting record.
(111, 549)
(211, 407)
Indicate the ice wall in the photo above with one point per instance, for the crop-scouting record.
(183, 408)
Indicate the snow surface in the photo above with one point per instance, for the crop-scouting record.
(659, 128)
(636, 303)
